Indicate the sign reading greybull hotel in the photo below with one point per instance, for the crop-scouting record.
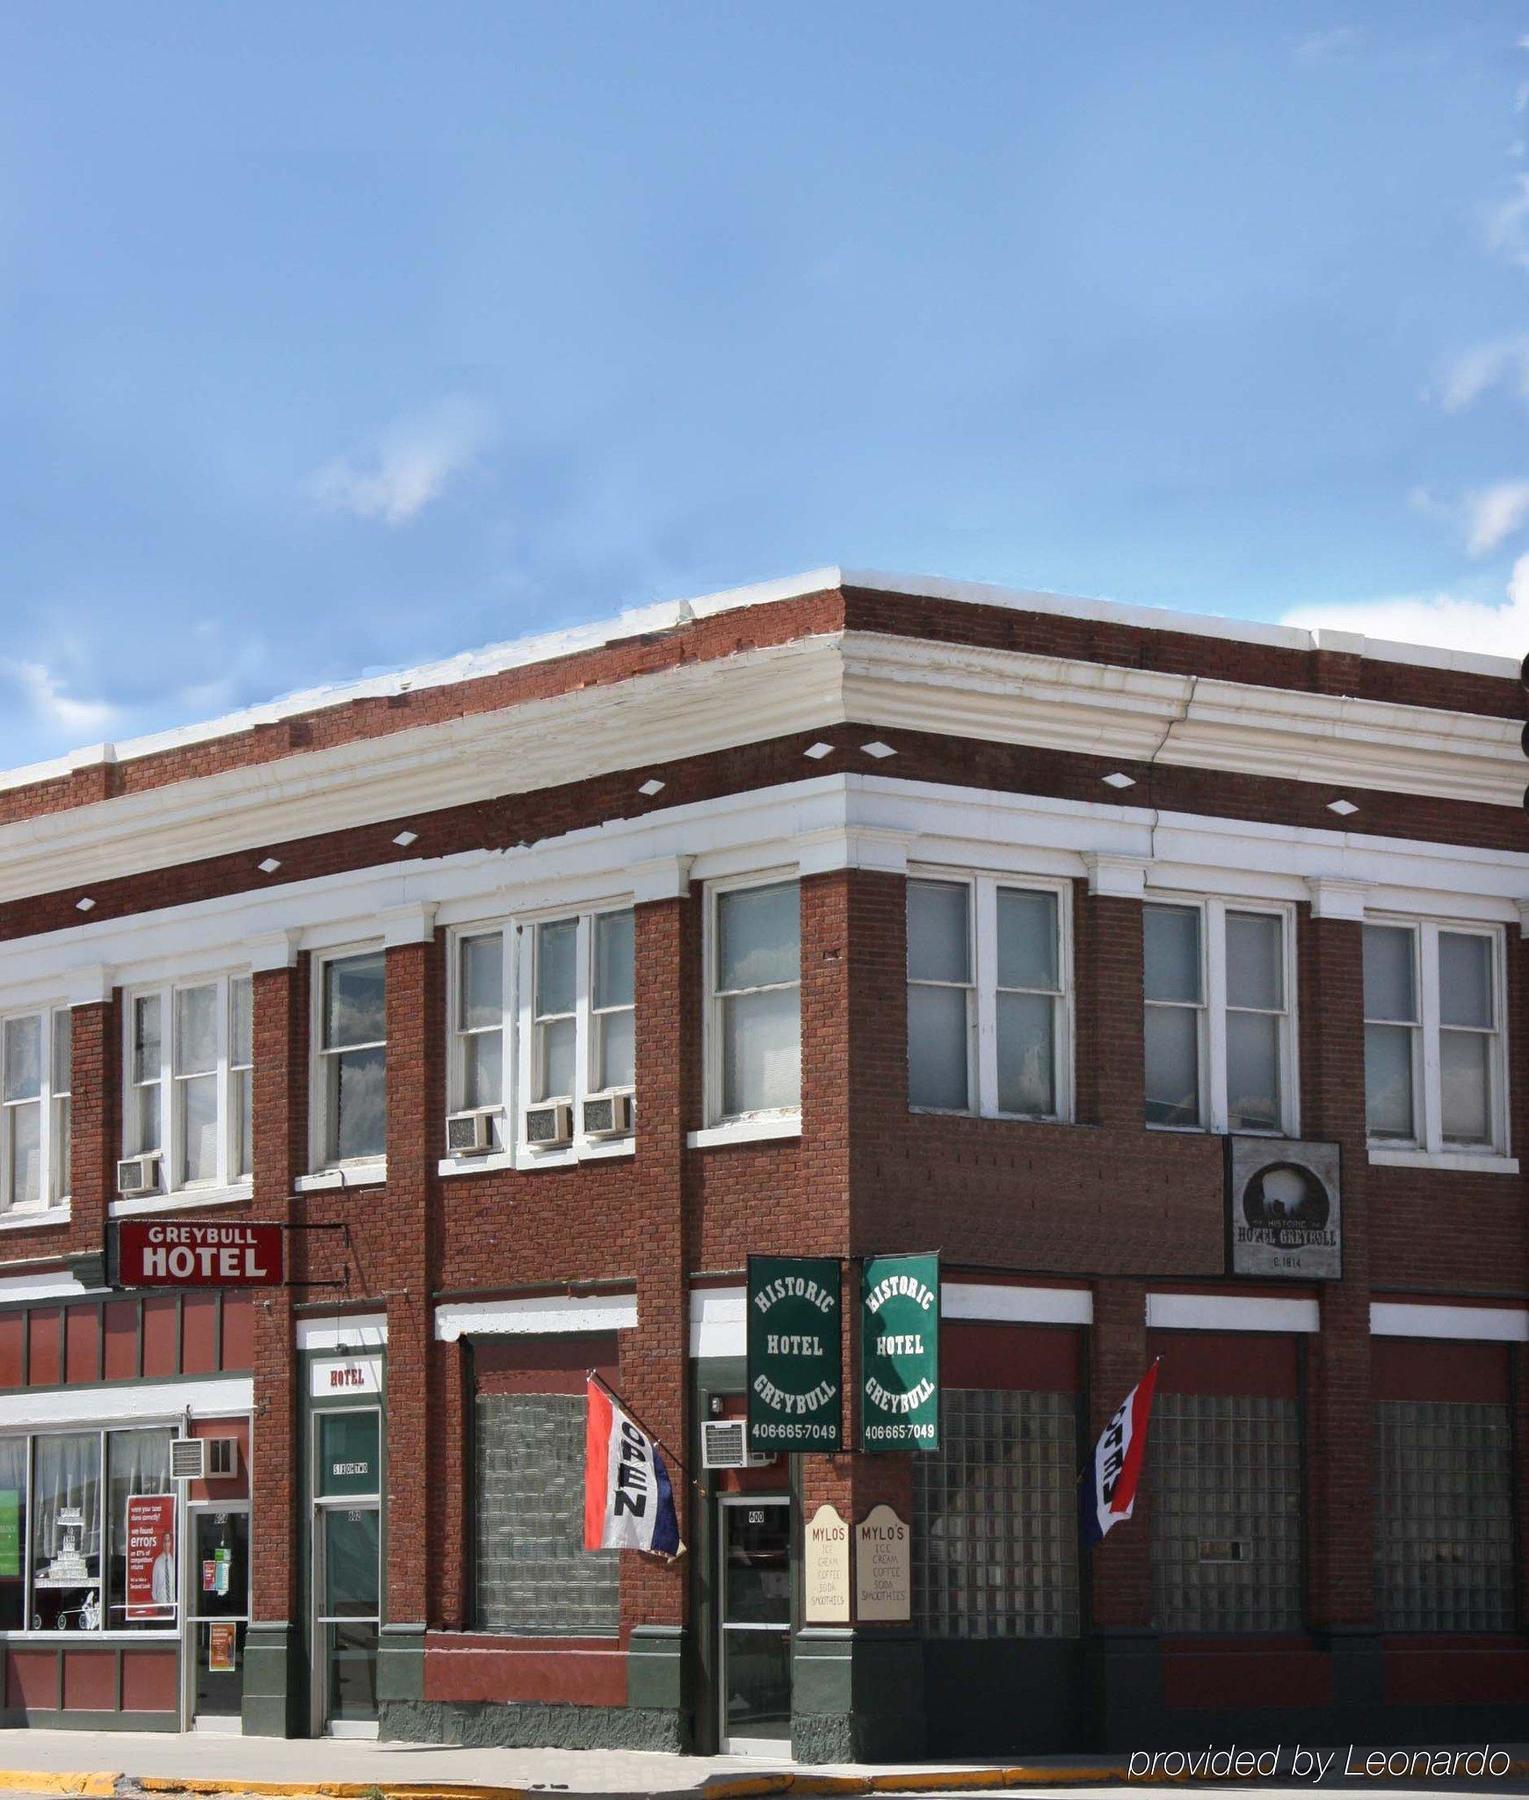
(795, 1355)
(900, 1353)
(1284, 1208)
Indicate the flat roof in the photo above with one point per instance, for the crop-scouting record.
(665, 615)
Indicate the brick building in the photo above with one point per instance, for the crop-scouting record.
(908, 916)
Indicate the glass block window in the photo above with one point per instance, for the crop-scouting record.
(995, 1538)
(1225, 1485)
(533, 1572)
(1443, 1516)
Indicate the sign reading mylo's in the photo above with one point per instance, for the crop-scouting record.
(900, 1353)
(1284, 1208)
(795, 1353)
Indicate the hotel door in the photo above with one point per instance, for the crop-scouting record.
(754, 1589)
(217, 1580)
(347, 1572)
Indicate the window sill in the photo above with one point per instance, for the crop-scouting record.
(1002, 1118)
(746, 1131)
(525, 1158)
(1458, 1162)
(349, 1175)
(28, 1221)
(182, 1200)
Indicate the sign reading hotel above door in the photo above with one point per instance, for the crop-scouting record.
(795, 1353)
(158, 1253)
(900, 1353)
(1284, 1208)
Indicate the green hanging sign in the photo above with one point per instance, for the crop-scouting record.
(900, 1353)
(795, 1353)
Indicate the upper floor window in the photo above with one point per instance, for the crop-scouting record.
(188, 1088)
(1434, 1056)
(35, 1081)
(1219, 1045)
(350, 1092)
(576, 1016)
(988, 1009)
(754, 1026)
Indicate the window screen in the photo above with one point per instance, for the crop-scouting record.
(1224, 1475)
(1443, 1516)
(995, 1541)
(533, 1572)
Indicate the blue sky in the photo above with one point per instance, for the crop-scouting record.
(336, 337)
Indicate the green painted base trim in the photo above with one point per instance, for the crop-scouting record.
(857, 1695)
(482, 1726)
(655, 1679)
(400, 1665)
(40, 1719)
(274, 1678)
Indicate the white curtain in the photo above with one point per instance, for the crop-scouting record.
(68, 1474)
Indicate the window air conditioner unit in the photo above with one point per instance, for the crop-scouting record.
(222, 1456)
(549, 1127)
(138, 1175)
(725, 1446)
(188, 1459)
(609, 1116)
(470, 1133)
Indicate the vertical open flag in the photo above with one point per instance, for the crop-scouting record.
(1107, 1492)
(628, 1502)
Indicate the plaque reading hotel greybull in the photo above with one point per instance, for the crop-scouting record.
(1284, 1208)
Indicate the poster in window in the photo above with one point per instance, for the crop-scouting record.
(10, 1532)
(151, 1557)
(222, 1648)
(1284, 1209)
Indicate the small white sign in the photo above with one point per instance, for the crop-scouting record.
(883, 1590)
(333, 1376)
(825, 1586)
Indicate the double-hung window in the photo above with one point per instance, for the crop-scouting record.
(34, 1085)
(988, 998)
(754, 1025)
(1434, 1055)
(351, 1044)
(568, 984)
(188, 1060)
(1220, 1051)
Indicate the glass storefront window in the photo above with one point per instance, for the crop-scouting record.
(66, 1532)
(13, 1532)
(137, 1462)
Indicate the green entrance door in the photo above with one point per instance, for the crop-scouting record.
(347, 1572)
(755, 1590)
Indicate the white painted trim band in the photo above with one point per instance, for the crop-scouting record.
(219, 1397)
(717, 1322)
(533, 1317)
(1016, 1305)
(1480, 1324)
(1230, 1312)
(357, 1331)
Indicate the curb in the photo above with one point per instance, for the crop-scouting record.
(98, 1784)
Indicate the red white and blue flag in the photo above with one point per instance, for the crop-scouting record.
(628, 1502)
(1108, 1489)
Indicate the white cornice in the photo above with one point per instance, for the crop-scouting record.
(880, 681)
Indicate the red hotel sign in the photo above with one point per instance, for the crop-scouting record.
(156, 1253)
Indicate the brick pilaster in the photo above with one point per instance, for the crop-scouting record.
(94, 1136)
(1121, 1567)
(1111, 1057)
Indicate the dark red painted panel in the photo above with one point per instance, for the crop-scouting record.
(90, 1680)
(45, 1368)
(31, 1679)
(121, 1324)
(13, 1327)
(238, 1332)
(149, 1681)
(1227, 1362)
(160, 1337)
(82, 1343)
(1442, 1673)
(1410, 1369)
(498, 1671)
(233, 1487)
(1034, 1358)
(546, 1365)
(199, 1334)
(1229, 1674)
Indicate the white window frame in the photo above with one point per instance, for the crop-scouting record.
(983, 991)
(1427, 1088)
(517, 1062)
(1214, 1110)
(319, 1160)
(171, 1173)
(762, 1121)
(56, 1180)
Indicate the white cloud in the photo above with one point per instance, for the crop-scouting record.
(1443, 620)
(1473, 372)
(1507, 223)
(45, 695)
(1493, 514)
(410, 466)
(1325, 46)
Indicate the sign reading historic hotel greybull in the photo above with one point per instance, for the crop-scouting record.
(795, 1361)
(900, 1353)
(1284, 1208)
